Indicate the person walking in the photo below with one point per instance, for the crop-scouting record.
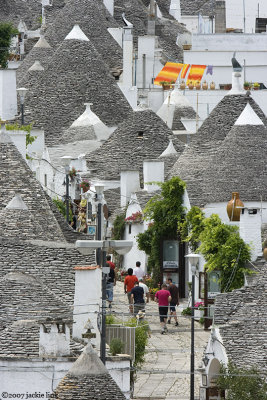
(111, 264)
(163, 298)
(111, 282)
(137, 295)
(129, 281)
(138, 271)
(174, 291)
(146, 290)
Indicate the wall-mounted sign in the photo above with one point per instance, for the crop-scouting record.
(91, 230)
(170, 254)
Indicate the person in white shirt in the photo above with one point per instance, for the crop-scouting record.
(137, 271)
(145, 288)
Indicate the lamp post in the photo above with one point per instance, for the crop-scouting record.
(65, 160)
(22, 93)
(85, 247)
(193, 259)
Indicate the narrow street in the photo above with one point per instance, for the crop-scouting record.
(165, 372)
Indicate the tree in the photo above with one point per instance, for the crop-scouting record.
(241, 383)
(7, 30)
(166, 211)
(220, 244)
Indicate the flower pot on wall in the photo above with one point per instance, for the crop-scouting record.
(212, 86)
(204, 85)
(198, 85)
(234, 207)
(265, 253)
(191, 85)
(182, 85)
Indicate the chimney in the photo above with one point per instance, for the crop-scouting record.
(237, 85)
(8, 94)
(220, 16)
(130, 183)
(109, 4)
(127, 57)
(250, 229)
(151, 23)
(18, 137)
(54, 340)
(153, 172)
(87, 301)
(175, 9)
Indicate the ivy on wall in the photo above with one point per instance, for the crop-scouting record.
(7, 30)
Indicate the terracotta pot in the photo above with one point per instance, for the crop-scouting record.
(187, 46)
(191, 86)
(182, 85)
(265, 253)
(212, 86)
(233, 209)
(198, 86)
(204, 86)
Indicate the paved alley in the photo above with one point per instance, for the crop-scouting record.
(165, 373)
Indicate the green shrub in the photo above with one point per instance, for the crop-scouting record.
(187, 311)
(111, 320)
(141, 339)
(116, 346)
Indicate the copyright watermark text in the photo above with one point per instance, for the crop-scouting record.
(28, 395)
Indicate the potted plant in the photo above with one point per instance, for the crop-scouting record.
(135, 217)
(256, 86)
(246, 85)
(191, 85)
(182, 85)
(85, 185)
(152, 292)
(198, 85)
(199, 309)
(72, 173)
(167, 85)
(187, 46)
(205, 85)
(212, 86)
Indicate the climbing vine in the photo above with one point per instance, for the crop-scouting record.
(166, 211)
(7, 30)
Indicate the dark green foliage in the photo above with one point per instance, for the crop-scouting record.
(166, 211)
(241, 383)
(141, 339)
(118, 227)
(7, 30)
(61, 205)
(187, 311)
(116, 346)
(221, 245)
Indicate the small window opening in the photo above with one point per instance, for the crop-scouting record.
(140, 134)
(130, 229)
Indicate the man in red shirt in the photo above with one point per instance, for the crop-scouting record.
(110, 263)
(129, 281)
(163, 298)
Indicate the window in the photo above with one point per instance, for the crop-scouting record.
(140, 134)
(45, 180)
(260, 25)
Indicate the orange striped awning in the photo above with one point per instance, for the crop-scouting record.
(169, 73)
(184, 70)
(196, 73)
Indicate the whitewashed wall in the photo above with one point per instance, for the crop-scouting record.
(235, 14)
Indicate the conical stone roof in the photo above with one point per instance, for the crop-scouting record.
(87, 127)
(175, 107)
(88, 379)
(76, 74)
(240, 163)
(94, 20)
(15, 10)
(25, 297)
(16, 177)
(192, 165)
(41, 51)
(142, 136)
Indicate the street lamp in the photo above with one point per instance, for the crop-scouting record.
(85, 247)
(22, 93)
(65, 161)
(193, 259)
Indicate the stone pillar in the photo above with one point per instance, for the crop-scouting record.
(87, 300)
(127, 57)
(220, 16)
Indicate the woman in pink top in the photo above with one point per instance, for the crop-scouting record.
(163, 298)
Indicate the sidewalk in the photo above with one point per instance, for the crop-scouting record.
(165, 373)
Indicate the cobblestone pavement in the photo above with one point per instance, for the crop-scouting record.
(165, 372)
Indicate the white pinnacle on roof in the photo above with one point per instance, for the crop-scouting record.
(177, 98)
(36, 66)
(169, 150)
(77, 34)
(248, 117)
(90, 119)
(17, 203)
(42, 43)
